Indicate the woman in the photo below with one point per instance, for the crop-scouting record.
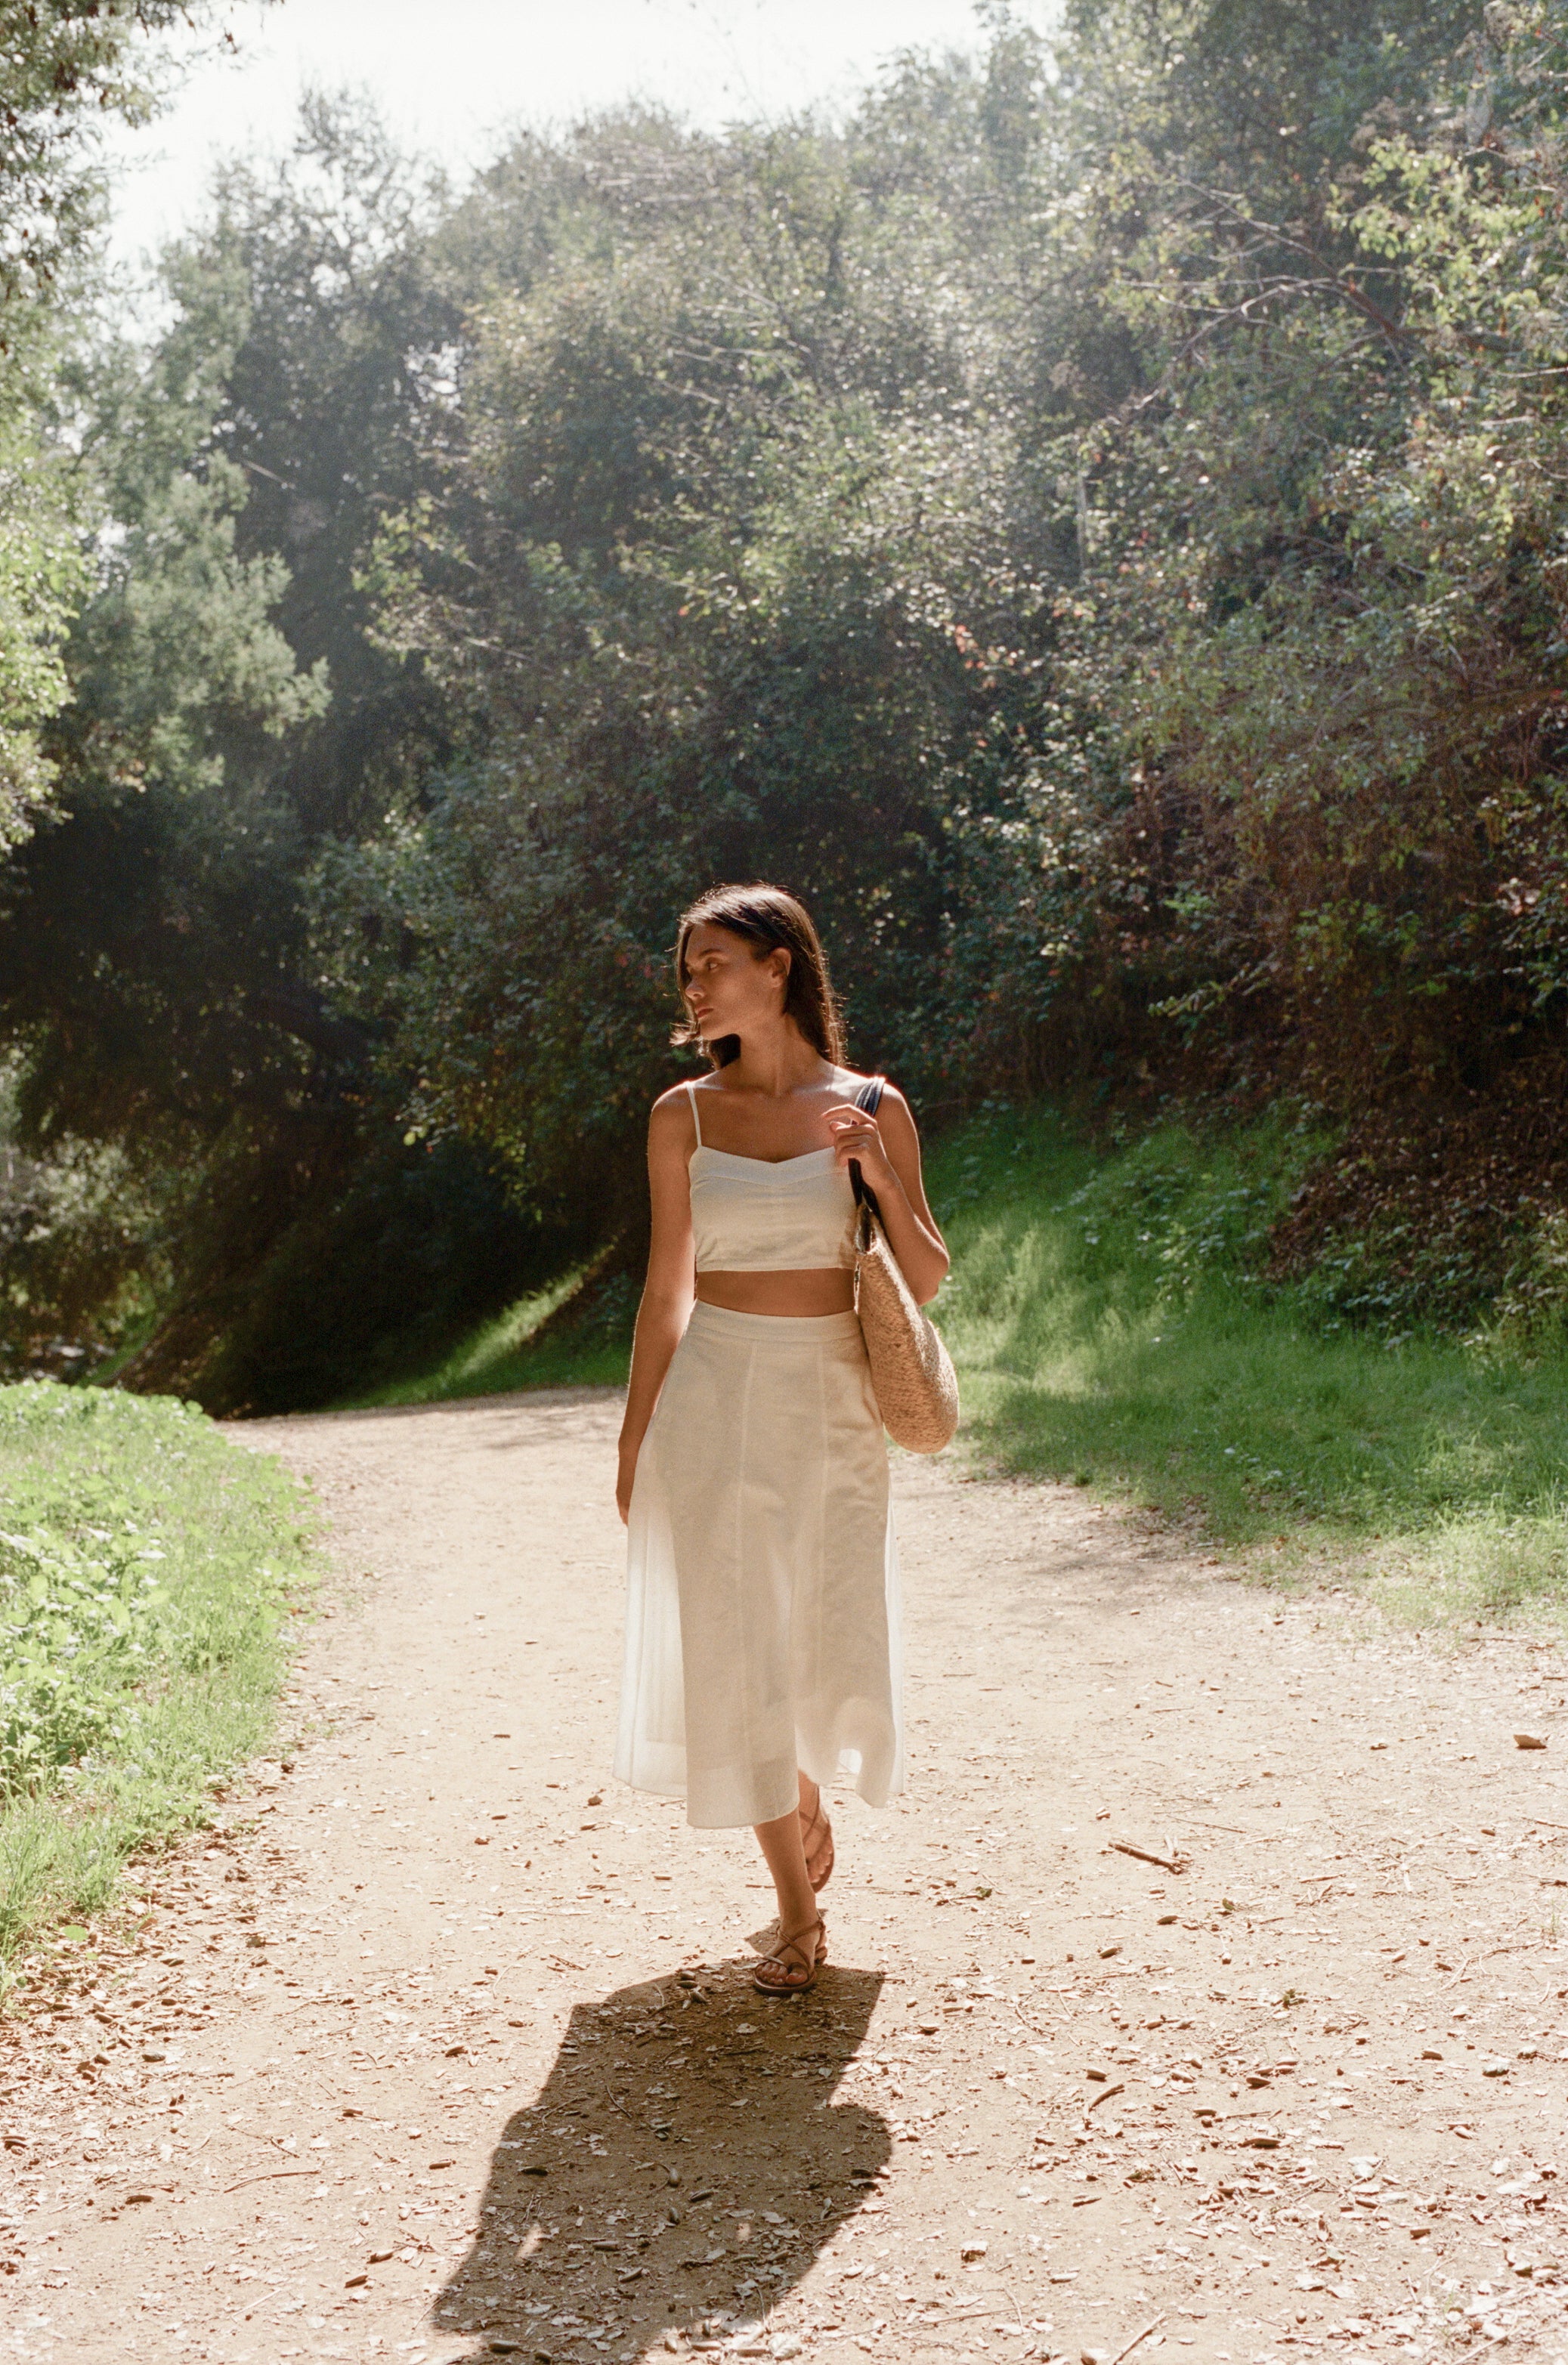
(762, 1636)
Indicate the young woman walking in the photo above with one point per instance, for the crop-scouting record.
(762, 1633)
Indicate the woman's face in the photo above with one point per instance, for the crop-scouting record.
(730, 985)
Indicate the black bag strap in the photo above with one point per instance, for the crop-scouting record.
(869, 1098)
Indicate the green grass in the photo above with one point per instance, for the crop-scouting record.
(575, 1333)
(1110, 1328)
(148, 1569)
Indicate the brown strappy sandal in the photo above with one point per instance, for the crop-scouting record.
(817, 1822)
(796, 1976)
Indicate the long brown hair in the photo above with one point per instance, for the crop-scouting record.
(770, 920)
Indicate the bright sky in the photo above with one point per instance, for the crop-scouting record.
(449, 75)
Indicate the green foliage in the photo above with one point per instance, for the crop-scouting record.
(1091, 521)
(1113, 1326)
(378, 1275)
(1320, 594)
(723, 521)
(228, 708)
(71, 1225)
(148, 1566)
(66, 66)
(1064, 525)
(574, 1332)
(72, 1630)
(41, 573)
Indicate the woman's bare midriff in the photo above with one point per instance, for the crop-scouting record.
(830, 1290)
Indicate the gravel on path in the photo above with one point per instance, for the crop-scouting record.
(1204, 1991)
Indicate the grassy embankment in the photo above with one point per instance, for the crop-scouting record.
(148, 1566)
(574, 1333)
(1111, 1327)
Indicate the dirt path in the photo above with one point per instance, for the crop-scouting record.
(403, 2061)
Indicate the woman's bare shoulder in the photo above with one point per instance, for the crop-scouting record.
(850, 1079)
(897, 1119)
(670, 1121)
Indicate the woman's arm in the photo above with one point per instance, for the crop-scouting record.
(670, 1288)
(887, 1148)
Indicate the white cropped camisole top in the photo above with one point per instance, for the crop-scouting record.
(750, 1214)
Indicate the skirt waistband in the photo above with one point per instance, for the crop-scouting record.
(775, 1330)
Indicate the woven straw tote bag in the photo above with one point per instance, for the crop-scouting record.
(912, 1371)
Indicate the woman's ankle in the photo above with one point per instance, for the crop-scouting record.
(795, 1912)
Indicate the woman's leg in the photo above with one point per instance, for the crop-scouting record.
(781, 1842)
(816, 1834)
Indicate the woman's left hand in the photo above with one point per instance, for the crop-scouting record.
(856, 1135)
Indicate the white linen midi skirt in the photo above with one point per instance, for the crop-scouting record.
(763, 1614)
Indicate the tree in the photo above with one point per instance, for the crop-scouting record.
(1322, 600)
(713, 537)
(65, 67)
(228, 712)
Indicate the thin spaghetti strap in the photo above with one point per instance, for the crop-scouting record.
(691, 1096)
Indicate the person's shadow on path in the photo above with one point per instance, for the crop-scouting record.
(684, 2162)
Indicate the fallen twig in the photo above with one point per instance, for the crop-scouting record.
(1153, 2325)
(1012, 2299)
(1166, 1862)
(269, 2176)
(1104, 2096)
(966, 2314)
